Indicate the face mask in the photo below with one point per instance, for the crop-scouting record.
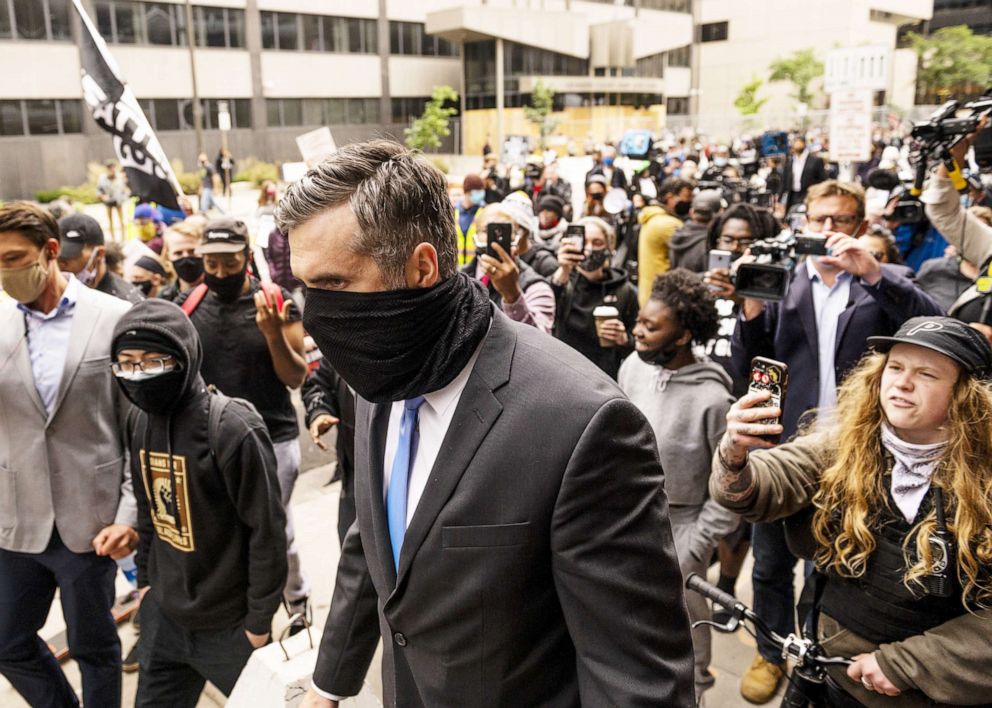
(25, 284)
(608, 161)
(595, 260)
(189, 268)
(663, 354)
(87, 275)
(682, 208)
(146, 232)
(399, 344)
(478, 196)
(228, 288)
(720, 161)
(154, 393)
(597, 196)
(145, 286)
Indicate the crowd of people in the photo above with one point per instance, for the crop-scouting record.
(544, 424)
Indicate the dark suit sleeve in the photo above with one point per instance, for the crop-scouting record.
(319, 393)
(351, 632)
(819, 172)
(615, 570)
(753, 338)
(900, 298)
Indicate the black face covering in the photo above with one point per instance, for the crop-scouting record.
(145, 286)
(658, 357)
(227, 288)
(595, 260)
(399, 344)
(159, 394)
(189, 268)
(682, 208)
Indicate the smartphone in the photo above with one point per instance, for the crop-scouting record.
(577, 232)
(810, 245)
(773, 376)
(500, 232)
(720, 259)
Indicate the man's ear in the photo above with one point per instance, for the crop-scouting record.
(422, 270)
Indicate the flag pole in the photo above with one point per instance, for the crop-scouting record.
(197, 108)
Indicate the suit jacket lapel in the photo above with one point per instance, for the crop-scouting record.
(476, 412)
(855, 297)
(21, 358)
(804, 306)
(84, 320)
(378, 424)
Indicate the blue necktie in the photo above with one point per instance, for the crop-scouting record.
(399, 479)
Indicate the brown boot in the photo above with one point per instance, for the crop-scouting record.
(760, 682)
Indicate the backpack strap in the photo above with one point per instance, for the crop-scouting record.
(194, 299)
(218, 401)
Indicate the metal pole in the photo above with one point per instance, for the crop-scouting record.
(499, 96)
(197, 108)
(223, 108)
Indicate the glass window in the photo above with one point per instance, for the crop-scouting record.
(335, 34)
(235, 28)
(356, 111)
(58, 17)
(268, 30)
(292, 111)
(127, 24)
(72, 120)
(714, 32)
(242, 112)
(334, 111)
(11, 119)
(210, 27)
(372, 110)
(395, 43)
(679, 57)
(288, 31)
(159, 23)
(30, 18)
(313, 111)
(428, 45)
(5, 27)
(371, 36)
(355, 36)
(42, 117)
(167, 114)
(272, 111)
(312, 39)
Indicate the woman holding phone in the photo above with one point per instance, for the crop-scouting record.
(900, 489)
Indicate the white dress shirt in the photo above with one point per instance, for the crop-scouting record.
(828, 304)
(48, 336)
(434, 419)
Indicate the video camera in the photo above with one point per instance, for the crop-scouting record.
(768, 277)
(737, 191)
(935, 137)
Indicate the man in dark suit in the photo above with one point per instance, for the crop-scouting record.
(502, 561)
(820, 330)
(802, 171)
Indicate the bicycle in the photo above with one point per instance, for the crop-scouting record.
(809, 684)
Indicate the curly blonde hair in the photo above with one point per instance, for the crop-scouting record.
(853, 486)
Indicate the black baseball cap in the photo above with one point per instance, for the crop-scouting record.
(944, 335)
(76, 231)
(223, 235)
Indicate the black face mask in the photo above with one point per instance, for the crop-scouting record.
(228, 288)
(189, 268)
(399, 344)
(682, 208)
(663, 354)
(595, 260)
(159, 394)
(597, 196)
(145, 286)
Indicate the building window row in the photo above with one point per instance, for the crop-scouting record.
(177, 113)
(296, 112)
(41, 117)
(409, 38)
(666, 5)
(164, 24)
(294, 32)
(34, 19)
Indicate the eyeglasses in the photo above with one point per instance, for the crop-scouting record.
(160, 365)
(837, 219)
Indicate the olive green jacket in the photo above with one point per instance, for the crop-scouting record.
(951, 664)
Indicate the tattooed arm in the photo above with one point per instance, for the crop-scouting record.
(770, 484)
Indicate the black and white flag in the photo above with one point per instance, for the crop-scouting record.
(116, 110)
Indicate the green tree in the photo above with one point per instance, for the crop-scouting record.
(433, 124)
(747, 101)
(542, 100)
(952, 61)
(799, 69)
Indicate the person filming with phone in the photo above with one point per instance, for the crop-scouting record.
(819, 331)
(900, 496)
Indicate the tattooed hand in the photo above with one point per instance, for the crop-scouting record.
(745, 427)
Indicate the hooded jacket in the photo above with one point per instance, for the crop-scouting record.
(653, 247)
(576, 326)
(211, 526)
(688, 248)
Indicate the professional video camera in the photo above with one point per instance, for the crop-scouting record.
(737, 191)
(767, 278)
(935, 137)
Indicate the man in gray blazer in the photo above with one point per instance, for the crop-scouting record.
(66, 504)
(512, 545)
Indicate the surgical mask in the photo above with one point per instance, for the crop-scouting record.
(478, 196)
(596, 259)
(608, 161)
(145, 286)
(188, 268)
(720, 161)
(682, 208)
(228, 288)
(87, 276)
(25, 284)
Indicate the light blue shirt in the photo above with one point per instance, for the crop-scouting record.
(48, 342)
(828, 304)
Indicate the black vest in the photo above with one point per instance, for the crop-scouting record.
(878, 606)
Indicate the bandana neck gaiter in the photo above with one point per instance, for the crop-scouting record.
(399, 344)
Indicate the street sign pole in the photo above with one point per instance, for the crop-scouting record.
(224, 123)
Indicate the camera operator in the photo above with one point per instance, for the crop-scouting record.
(819, 330)
(912, 443)
(963, 230)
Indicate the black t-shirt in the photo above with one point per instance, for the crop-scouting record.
(237, 361)
(718, 348)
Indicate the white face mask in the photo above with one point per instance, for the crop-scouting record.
(87, 275)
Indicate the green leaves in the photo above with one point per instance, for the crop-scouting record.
(951, 60)
(799, 69)
(539, 111)
(427, 130)
(747, 101)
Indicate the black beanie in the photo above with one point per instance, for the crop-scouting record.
(148, 340)
(552, 203)
(150, 264)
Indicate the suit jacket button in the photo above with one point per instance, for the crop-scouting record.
(400, 639)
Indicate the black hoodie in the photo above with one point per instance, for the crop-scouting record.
(218, 557)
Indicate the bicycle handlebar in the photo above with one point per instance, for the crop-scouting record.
(710, 591)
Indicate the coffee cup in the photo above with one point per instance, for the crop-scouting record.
(602, 314)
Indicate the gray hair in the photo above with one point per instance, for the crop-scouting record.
(399, 199)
